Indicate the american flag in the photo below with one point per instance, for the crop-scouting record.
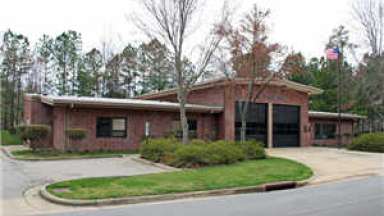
(332, 53)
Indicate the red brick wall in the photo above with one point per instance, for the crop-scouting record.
(160, 125)
(37, 113)
(209, 96)
(346, 131)
(275, 95)
(227, 95)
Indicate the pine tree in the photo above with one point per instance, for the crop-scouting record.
(66, 51)
(16, 61)
(155, 67)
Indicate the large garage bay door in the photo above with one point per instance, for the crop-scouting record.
(256, 122)
(286, 126)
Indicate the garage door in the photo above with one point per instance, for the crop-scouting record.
(256, 122)
(286, 126)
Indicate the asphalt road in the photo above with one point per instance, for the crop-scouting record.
(362, 197)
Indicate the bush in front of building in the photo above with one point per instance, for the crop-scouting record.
(198, 142)
(190, 156)
(159, 150)
(224, 152)
(372, 142)
(76, 133)
(252, 149)
(34, 133)
(200, 153)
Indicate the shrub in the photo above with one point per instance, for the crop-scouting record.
(158, 150)
(373, 142)
(198, 142)
(224, 152)
(34, 133)
(252, 149)
(199, 153)
(190, 156)
(76, 133)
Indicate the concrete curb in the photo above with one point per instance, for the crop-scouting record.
(11, 156)
(8, 153)
(138, 159)
(166, 197)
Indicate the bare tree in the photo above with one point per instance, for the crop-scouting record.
(370, 15)
(171, 21)
(252, 57)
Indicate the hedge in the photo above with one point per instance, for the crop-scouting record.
(76, 133)
(372, 142)
(34, 133)
(199, 153)
(158, 150)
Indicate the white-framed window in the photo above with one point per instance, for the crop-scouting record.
(147, 129)
(111, 127)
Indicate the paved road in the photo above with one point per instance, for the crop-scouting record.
(19, 176)
(352, 198)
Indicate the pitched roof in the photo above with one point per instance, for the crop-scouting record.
(123, 103)
(224, 81)
(316, 114)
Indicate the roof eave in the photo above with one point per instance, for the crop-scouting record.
(189, 108)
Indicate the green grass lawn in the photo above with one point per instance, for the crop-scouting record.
(55, 155)
(248, 173)
(9, 139)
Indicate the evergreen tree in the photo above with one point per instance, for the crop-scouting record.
(66, 50)
(155, 67)
(92, 72)
(15, 63)
(128, 73)
(43, 59)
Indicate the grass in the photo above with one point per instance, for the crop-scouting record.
(55, 155)
(248, 173)
(9, 139)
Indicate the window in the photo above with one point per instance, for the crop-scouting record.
(111, 127)
(325, 131)
(192, 128)
(147, 129)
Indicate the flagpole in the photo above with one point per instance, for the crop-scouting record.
(339, 59)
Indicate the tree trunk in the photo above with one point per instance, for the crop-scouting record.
(243, 130)
(12, 107)
(64, 79)
(18, 100)
(183, 116)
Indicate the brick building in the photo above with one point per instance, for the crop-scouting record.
(279, 118)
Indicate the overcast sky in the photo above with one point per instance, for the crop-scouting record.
(302, 25)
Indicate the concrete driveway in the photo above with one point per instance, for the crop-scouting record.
(331, 164)
(19, 179)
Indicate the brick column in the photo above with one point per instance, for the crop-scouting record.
(270, 125)
(58, 128)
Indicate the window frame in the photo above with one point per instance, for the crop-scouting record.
(322, 131)
(178, 131)
(111, 131)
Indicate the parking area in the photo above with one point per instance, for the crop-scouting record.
(19, 179)
(330, 164)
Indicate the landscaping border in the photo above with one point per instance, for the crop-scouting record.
(9, 154)
(174, 196)
(138, 159)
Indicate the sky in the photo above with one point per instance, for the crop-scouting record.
(301, 25)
